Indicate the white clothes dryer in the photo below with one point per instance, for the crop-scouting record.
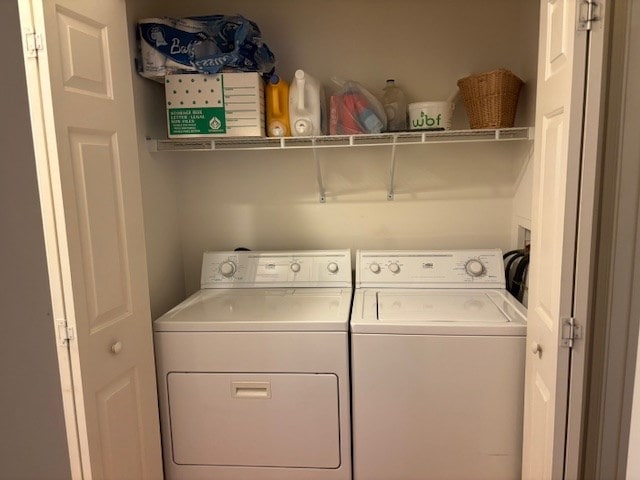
(437, 367)
(253, 373)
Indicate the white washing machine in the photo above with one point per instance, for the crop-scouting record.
(253, 370)
(437, 367)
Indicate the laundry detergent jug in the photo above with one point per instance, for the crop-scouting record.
(277, 99)
(307, 113)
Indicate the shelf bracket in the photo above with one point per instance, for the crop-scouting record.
(392, 170)
(316, 158)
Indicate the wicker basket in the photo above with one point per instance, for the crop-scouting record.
(491, 98)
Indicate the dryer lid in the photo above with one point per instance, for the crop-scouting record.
(427, 311)
(276, 309)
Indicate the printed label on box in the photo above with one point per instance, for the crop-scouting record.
(196, 121)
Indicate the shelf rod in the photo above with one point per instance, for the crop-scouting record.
(392, 169)
(316, 158)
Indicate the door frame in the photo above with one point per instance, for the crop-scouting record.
(586, 235)
(615, 338)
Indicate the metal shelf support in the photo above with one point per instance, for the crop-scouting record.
(392, 171)
(316, 158)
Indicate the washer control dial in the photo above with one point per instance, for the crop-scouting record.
(227, 269)
(333, 267)
(394, 267)
(474, 267)
(374, 267)
(295, 267)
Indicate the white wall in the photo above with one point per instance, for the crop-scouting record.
(33, 442)
(159, 188)
(522, 200)
(446, 196)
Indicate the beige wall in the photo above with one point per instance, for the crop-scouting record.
(33, 442)
(447, 196)
(159, 188)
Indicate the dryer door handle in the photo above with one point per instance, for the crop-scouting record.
(251, 389)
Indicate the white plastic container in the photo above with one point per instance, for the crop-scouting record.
(307, 114)
(431, 115)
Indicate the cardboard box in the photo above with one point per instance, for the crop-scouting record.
(221, 105)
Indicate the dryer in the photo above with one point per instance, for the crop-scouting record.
(437, 367)
(253, 373)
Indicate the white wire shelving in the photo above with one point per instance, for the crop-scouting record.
(317, 143)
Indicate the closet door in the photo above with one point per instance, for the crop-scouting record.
(558, 157)
(93, 220)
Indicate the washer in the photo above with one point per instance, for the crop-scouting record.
(253, 372)
(437, 367)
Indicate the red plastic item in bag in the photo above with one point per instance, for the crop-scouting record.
(354, 111)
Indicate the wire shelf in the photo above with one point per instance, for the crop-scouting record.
(338, 141)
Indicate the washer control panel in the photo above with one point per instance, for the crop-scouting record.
(282, 269)
(431, 268)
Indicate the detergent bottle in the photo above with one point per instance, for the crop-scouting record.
(307, 115)
(277, 98)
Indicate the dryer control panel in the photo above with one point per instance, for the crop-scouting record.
(330, 268)
(430, 269)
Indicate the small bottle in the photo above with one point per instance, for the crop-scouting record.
(395, 106)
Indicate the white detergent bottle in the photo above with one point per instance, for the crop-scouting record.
(306, 105)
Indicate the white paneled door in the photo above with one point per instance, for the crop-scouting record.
(92, 208)
(557, 153)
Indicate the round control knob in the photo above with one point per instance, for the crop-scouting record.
(227, 269)
(374, 267)
(295, 267)
(474, 267)
(333, 267)
(394, 267)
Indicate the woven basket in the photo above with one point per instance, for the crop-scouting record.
(491, 98)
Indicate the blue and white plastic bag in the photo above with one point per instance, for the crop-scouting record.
(208, 44)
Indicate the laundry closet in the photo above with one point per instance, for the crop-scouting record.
(447, 194)
(450, 195)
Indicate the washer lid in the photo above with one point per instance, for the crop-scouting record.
(261, 309)
(433, 311)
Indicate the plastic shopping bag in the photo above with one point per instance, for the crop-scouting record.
(354, 110)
